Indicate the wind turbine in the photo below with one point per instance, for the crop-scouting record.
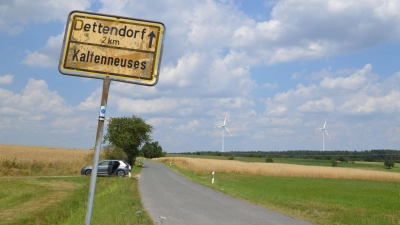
(323, 129)
(223, 132)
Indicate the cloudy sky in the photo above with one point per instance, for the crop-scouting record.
(278, 69)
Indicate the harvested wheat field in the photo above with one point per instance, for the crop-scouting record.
(278, 169)
(17, 160)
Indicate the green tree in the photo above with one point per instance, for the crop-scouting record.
(129, 134)
(152, 150)
(389, 163)
(343, 159)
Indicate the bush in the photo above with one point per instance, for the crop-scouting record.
(389, 164)
(231, 157)
(112, 152)
(334, 162)
(269, 160)
(343, 159)
(7, 164)
(256, 155)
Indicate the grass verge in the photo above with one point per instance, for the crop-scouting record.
(64, 201)
(318, 200)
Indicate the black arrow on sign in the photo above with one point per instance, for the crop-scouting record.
(151, 35)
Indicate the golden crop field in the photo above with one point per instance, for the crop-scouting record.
(41, 153)
(18, 160)
(278, 169)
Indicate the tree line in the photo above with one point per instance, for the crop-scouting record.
(375, 155)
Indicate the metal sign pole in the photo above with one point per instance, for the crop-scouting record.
(130, 58)
(99, 134)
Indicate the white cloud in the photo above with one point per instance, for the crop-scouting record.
(276, 111)
(308, 29)
(300, 92)
(269, 86)
(69, 124)
(297, 75)
(35, 103)
(325, 72)
(185, 71)
(39, 98)
(357, 94)
(273, 133)
(6, 79)
(392, 83)
(91, 102)
(189, 127)
(233, 102)
(361, 104)
(393, 133)
(159, 121)
(323, 105)
(40, 116)
(143, 107)
(353, 82)
(16, 15)
(48, 56)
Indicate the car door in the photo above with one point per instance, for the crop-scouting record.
(103, 168)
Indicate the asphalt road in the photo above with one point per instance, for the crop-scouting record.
(172, 199)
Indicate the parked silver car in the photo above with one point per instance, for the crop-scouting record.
(109, 167)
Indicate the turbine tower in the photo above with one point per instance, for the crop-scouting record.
(323, 129)
(223, 132)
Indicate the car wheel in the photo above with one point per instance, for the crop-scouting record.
(120, 173)
(88, 172)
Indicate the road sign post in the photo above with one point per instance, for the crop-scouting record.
(115, 48)
(99, 134)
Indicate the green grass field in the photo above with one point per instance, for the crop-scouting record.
(64, 201)
(321, 201)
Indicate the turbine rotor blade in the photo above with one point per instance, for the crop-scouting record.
(326, 133)
(227, 130)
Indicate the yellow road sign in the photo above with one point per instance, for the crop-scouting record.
(124, 49)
